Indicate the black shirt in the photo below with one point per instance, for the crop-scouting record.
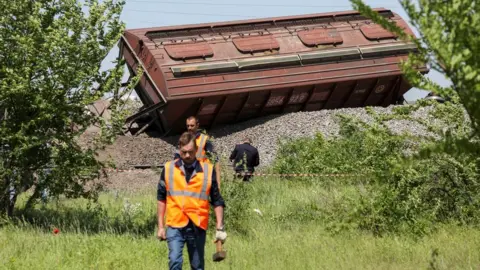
(216, 198)
(248, 152)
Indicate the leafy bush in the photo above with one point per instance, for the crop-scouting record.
(408, 186)
(238, 197)
(359, 148)
(420, 193)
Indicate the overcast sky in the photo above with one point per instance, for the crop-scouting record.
(151, 13)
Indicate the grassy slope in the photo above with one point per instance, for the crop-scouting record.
(273, 241)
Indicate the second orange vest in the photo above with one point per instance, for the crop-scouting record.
(201, 142)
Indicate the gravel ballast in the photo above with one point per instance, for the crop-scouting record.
(127, 151)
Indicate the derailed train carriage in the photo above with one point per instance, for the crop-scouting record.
(233, 71)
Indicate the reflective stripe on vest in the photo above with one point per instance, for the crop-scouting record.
(203, 193)
(201, 146)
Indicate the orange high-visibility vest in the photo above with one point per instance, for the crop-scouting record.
(187, 201)
(201, 142)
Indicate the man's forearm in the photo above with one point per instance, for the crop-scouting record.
(161, 205)
(219, 215)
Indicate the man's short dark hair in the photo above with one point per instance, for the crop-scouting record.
(185, 139)
(193, 118)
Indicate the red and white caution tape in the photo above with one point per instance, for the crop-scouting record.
(121, 170)
(299, 174)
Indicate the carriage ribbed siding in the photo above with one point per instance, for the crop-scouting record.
(238, 70)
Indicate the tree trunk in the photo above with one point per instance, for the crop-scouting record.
(31, 201)
(3, 206)
(11, 205)
(8, 199)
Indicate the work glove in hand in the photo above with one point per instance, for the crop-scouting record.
(221, 236)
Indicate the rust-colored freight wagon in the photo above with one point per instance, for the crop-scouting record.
(233, 71)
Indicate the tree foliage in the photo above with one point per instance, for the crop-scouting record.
(50, 69)
(448, 42)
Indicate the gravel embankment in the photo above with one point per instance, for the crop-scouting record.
(265, 132)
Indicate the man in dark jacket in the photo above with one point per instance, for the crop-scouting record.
(245, 158)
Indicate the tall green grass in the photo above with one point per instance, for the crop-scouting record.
(272, 224)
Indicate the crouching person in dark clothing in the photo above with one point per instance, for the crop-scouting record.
(245, 158)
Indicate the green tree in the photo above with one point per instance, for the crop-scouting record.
(50, 70)
(449, 43)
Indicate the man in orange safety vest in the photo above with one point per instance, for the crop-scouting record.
(183, 193)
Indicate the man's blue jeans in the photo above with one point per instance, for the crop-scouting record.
(194, 237)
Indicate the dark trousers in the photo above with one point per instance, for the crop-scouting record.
(194, 237)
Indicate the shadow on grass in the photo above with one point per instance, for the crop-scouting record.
(87, 221)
